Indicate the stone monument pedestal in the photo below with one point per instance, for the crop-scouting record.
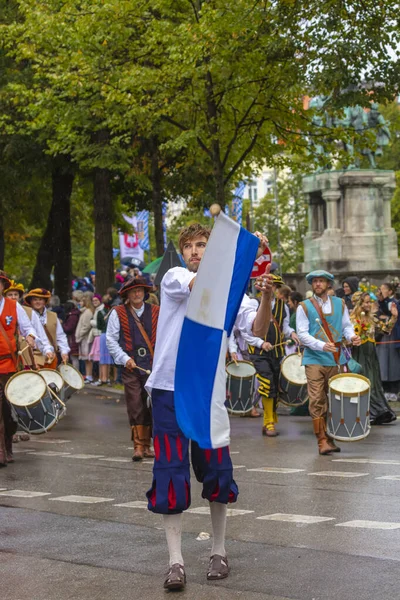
(349, 226)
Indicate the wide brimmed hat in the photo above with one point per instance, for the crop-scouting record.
(15, 287)
(6, 281)
(37, 293)
(320, 273)
(277, 280)
(135, 283)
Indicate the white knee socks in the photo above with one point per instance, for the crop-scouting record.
(218, 520)
(173, 533)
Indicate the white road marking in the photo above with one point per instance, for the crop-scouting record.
(82, 499)
(48, 453)
(370, 524)
(276, 470)
(390, 477)
(234, 452)
(367, 461)
(47, 441)
(85, 456)
(24, 494)
(231, 512)
(117, 459)
(308, 519)
(239, 466)
(338, 474)
(135, 504)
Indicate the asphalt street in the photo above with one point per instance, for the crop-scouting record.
(74, 523)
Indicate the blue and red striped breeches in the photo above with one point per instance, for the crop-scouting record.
(170, 490)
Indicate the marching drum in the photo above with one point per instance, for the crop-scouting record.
(34, 404)
(73, 381)
(240, 387)
(348, 416)
(293, 381)
(54, 377)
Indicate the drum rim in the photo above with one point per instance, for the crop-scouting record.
(287, 378)
(350, 375)
(54, 371)
(232, 362)
(13, 376)
(76, 370)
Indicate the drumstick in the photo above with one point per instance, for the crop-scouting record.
(323, 330)
(23, 350)
(55, 396)
(144, 370)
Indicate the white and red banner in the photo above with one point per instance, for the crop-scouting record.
(129, 243)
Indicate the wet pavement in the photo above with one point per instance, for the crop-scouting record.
(74, 524)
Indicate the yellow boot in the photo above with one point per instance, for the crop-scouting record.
(270, 418)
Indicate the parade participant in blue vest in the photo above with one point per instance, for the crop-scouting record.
(319, 318)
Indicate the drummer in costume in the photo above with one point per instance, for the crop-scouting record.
(15, 292)
(38, 299)
(169, 494)
(131, 337)
(12, 316)
(318, 319)
(267, 354)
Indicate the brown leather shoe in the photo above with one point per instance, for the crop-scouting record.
(332, 444)
(319, 429)
(138, 454)
(148, 452)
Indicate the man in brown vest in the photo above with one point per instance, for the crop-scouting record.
(38, 299)
(131, 337)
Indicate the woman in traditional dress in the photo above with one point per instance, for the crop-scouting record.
(369, 327)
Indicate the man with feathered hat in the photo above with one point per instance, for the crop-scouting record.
(319, 319)
(131, 337)
(38, 299)
(12, 316)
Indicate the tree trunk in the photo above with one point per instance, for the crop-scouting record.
(2, 243)
(55, 246)
(212, 118)
(62, 181)
(45, 256)
(156, 197)
(103, 252)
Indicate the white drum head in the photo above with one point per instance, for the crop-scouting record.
(241, 369)
(293, 370)
(25, 388)
(71, 376)
(349, 384)
(52, 376)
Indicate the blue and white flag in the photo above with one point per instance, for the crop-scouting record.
(143, 229)
(200, 378)
(164, 223)
(237, 203)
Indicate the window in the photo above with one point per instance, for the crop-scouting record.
(253, 192)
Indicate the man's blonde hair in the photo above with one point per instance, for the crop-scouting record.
(191, 232)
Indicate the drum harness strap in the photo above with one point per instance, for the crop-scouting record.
(143, 332)
(327, 330)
